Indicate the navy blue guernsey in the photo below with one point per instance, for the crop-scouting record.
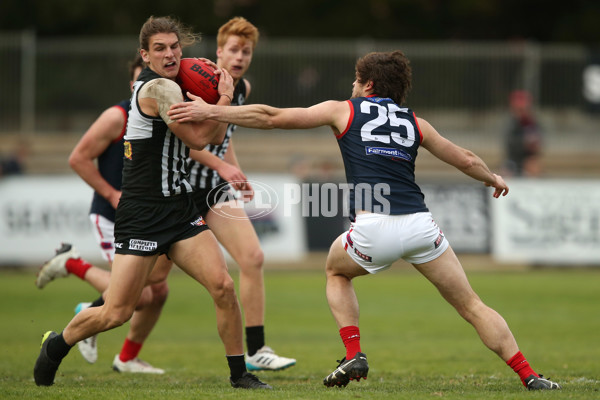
(379, 149)
(201, 176)
(110, 166)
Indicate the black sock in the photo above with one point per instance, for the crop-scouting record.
(237, 366)
(255, 338)
(57, 348)
(98, 302)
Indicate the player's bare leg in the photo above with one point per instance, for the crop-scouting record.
(143, 321)
(239, 238)
(235, 232)
(340, 270)
(447, 274)
(127, 280)
(202, 259)
(99, 278)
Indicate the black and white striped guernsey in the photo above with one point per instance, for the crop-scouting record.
(155, 159)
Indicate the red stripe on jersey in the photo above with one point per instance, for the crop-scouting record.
(125, 115)
(349, 121)
(418, 128)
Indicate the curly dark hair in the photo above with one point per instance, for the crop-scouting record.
(390, 73)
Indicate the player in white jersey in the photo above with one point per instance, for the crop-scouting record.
(378, 139)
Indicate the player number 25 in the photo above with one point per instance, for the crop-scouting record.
(385, 114)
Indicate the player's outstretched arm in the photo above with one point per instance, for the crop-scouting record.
(464, 160)
(262, 116)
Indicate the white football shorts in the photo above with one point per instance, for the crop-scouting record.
(104, 231)
(375, 241)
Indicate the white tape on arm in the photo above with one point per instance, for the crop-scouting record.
(166, 93)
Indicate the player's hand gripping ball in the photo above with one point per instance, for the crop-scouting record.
(198, 78)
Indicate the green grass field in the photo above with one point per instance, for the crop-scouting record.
(418, 347)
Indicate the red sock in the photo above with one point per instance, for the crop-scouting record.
(130, 350)
(520, 365)
(351, 338)
(77, 266)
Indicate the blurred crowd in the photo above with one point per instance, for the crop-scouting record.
(14, 162)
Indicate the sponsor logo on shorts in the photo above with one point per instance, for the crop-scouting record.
(106, 245)
(142, 245)
(119, 245)
(439, 240)
(199, 222)
(388, 152)
(363, 256)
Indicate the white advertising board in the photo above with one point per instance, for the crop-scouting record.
(461, 211)
(37, 213)
(548, 221)
(280, 226)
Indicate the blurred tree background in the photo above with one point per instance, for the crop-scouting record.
(536, 20)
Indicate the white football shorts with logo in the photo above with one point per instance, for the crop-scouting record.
(104, 231)
(375, 241)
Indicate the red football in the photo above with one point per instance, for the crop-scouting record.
(198, 78)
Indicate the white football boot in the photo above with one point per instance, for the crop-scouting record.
(135, 366)
(87, 347)
(265, 359)
(56, 266)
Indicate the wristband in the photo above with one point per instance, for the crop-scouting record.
(226, 95)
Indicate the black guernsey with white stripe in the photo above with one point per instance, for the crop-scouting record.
(154, 163)
(201, 176)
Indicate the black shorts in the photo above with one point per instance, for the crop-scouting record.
(206, 198)
(147, 227)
